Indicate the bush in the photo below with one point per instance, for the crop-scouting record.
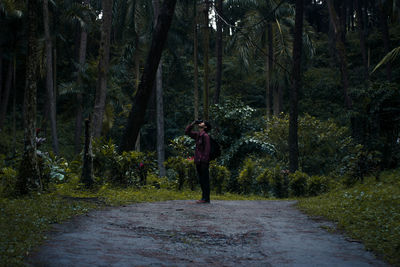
(298, 184)
(219, 177)
(179, 165)
(247, 177)
(318, 185)
(129, 168)
(322, 144)
(280, 183)
(264, 181)
(8, 180)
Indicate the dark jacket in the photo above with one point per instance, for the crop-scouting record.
(202, 151)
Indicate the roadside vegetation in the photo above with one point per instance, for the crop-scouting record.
(368, 212)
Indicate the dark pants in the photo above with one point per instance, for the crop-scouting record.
(204, 179)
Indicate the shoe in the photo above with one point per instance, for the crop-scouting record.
(202, 201)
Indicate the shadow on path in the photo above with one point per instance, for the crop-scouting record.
(181, 233)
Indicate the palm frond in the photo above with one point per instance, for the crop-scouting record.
(391, 56)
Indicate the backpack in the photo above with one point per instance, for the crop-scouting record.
(215, 149)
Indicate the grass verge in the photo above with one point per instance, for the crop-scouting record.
(369, 212)
(25, 221)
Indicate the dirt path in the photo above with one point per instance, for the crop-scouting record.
(181, 233)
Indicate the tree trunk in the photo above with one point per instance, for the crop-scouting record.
(14, 121)
(218, 48)
(361, 33)
(79, 97)
(341, 50)
(103, 67)
(49, 77)
(29, 175)
(159, 106)
(6, 94)
(87, 169)
(195, 63)
(206, 42)
(1, 72)
(385, 37)
(136, 116)
(296, 86)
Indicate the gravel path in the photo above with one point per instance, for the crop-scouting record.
(181, 233)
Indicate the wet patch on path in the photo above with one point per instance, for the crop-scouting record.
(182, 233)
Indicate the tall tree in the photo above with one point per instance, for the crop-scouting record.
(29, 175)
(195, 63)
(218, 48)
(206, 41)
(383, 22)
(296, 86)
(49, 77)
(79, 97)
(341, 51)
(6, 93)
(159, 105)
(103, 67)
(159, 37)
(361, 33)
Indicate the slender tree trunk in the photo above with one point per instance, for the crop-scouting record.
(341, 50)
(206, 42)
(383, 18)
(195, 63)
(14, 115)
(1, 72)
(268, 87)
(218, 48)
(137, 114)
(361, 33)
(270, 64)
(29, 175)
(87, 169)
(103, 67)
(296, 86)
(159, 106)
(6, 94)
(79, 96)
(49, 77)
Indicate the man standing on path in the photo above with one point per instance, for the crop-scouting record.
(202, 156)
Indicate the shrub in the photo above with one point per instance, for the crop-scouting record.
(219, 177)
(179, 165)
(247, 176)
(322, 144)
(318, 185)
(298, 183)
(264, 181)
(280, 182)
(8, 179)
(129, 168)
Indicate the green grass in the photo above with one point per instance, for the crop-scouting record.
(369, 212)
(24, 222)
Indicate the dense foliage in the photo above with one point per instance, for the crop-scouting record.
(348, 123)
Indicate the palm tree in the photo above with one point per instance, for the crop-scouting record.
(49, 76)
(159, 105)
(296, 85)
(103, 67)
(265, 29)
(29, 175)
(341, 50)
(159, 37)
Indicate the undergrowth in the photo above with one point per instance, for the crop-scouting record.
(369, 212)
(24, 222)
